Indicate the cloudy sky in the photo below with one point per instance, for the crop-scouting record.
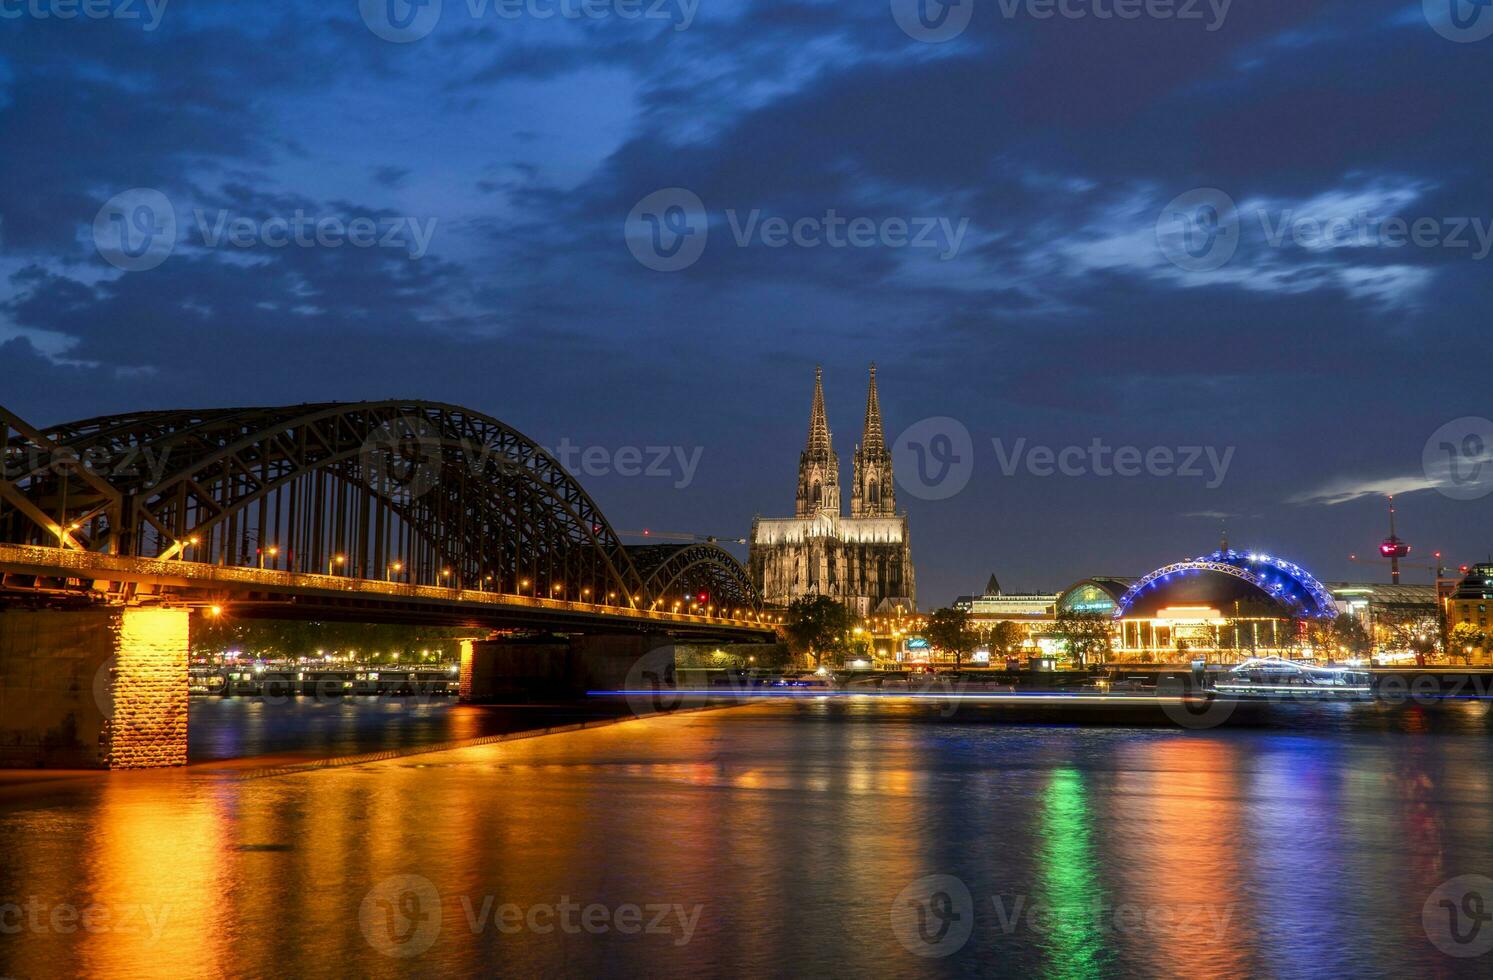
(1243, 243)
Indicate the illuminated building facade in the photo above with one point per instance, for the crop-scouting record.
(1469, 604)
(1245, 602)
(1229, 605)
(1098, 596)
(1032, 612)
(863, 560)
(1377, 605)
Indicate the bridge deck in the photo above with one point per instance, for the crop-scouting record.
(270, 592)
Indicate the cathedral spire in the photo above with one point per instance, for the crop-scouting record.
(818, 424)
(873, 494)
(872, 440)
(818, 466)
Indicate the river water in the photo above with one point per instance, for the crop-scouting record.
(843, 839)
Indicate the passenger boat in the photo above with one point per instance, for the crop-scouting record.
(1278, 679)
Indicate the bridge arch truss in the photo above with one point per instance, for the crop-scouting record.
(415, 492)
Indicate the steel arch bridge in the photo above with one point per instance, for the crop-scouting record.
(416, 493)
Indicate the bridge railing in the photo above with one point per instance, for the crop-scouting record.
(178, 572)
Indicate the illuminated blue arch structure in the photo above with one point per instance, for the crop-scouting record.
(1270, 581)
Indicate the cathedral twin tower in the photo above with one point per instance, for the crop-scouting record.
(872, 493)
(864, 560)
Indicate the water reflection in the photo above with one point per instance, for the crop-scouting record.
(1176, 833)
(1069, 879)
(769, 839)
(255, 727)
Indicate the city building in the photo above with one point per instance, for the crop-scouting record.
(863, 560)
(967, 602)
(1232, 603)
(1097, 596)
(1469, 604)
(1380, 606)
(1032, 611)
(1236, 601)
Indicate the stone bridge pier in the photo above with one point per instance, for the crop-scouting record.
(100, 688)
(521, 670)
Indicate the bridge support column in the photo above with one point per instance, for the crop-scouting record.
(619, 663)
(527, 670)
(93, 689)
(514, 671)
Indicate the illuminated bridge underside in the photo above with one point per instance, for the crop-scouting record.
(370, 505)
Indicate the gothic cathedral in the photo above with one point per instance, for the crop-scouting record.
(864, 560)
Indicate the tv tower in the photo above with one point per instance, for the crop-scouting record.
(1392, 547)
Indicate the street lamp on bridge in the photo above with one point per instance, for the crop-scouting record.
(336, 562)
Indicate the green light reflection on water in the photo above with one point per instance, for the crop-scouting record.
(1074, 942)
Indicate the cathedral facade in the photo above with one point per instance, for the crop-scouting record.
(864, 560)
